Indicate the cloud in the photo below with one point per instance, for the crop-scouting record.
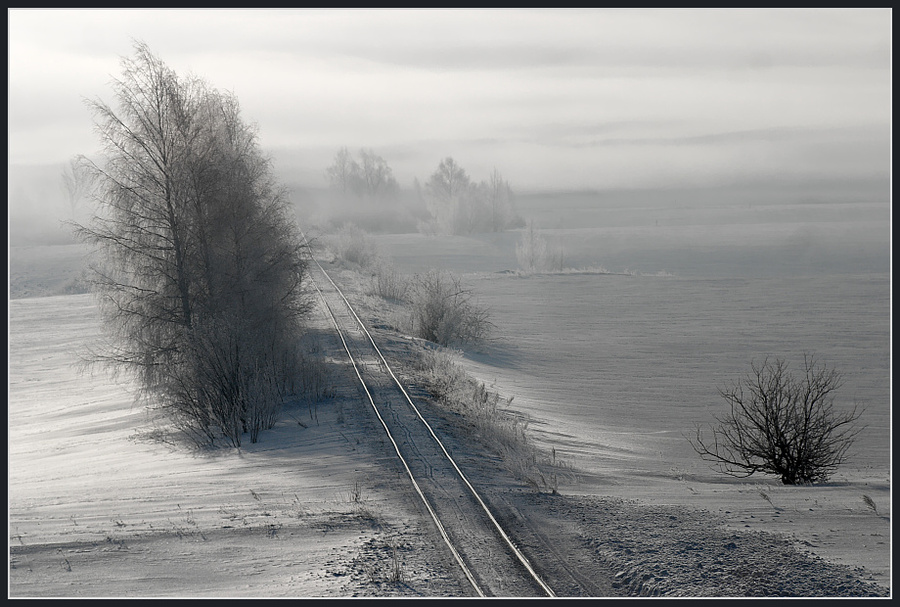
(593, 96)
(448, 40)
(774, 135)
(531, 163)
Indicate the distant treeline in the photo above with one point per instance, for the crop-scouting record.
(363, 191)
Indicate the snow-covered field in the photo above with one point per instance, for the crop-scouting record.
(100, 505)
(615, 370)
(612, 369)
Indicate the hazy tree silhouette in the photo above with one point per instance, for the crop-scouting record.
(200, 270)
(76, 184)
(457, 205)
(376, 180)
(342, 172)
(369, 177)
(448, 181)
(501, 202)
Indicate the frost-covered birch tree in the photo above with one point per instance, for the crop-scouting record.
(200, 269)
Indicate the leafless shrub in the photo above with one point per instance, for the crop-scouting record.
(781, 424)
(536, 255)
(389, 283)
(443, 312)
(229, 384)
(313, 382)
(352, 244)
(312, 379)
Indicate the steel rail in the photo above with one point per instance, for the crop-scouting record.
(515, 550)
(437, 522)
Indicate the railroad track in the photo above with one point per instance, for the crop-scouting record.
(490, 561)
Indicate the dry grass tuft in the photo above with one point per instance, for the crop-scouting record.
(495, 424)
(766, 497)
(870, 503)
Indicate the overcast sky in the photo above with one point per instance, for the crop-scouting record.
(552, 98)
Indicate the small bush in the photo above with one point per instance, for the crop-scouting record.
(443, 311)
(352, 244)
(388, 283)
(535, 255)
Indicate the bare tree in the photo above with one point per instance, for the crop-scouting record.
(343, 172)
(201, 270)
(376, 178)
(448, 181)
(781, 424)
(447, 190)
(76, 184)
(500, 201)
(369, 177)
(458, 205)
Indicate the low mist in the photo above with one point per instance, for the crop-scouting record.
(38, 207)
